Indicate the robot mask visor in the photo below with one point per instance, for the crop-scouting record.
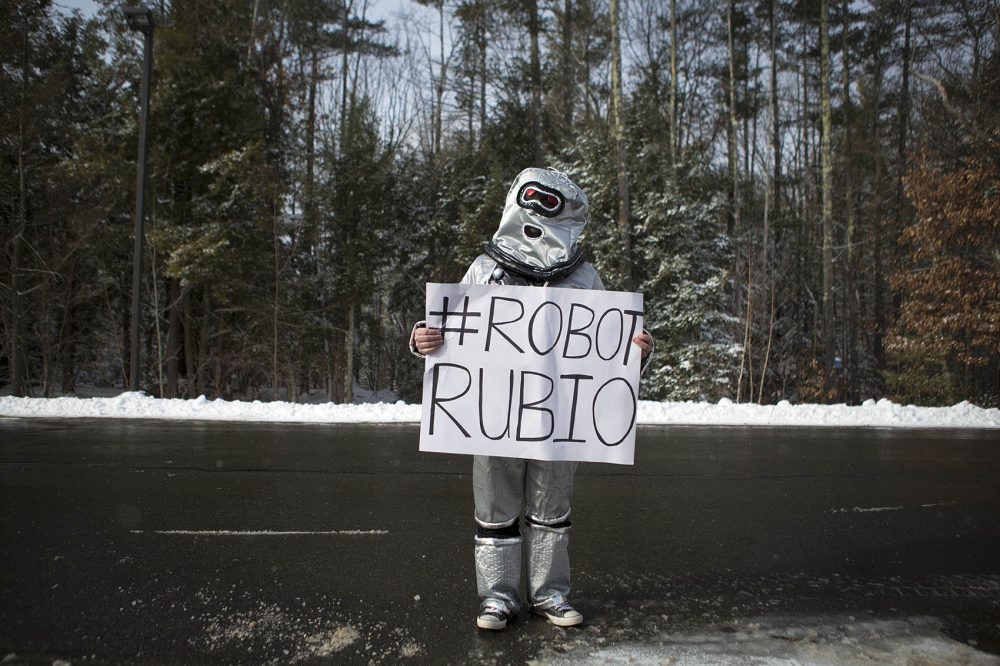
(543, 200)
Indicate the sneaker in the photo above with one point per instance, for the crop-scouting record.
(492, 616)
(561, 615)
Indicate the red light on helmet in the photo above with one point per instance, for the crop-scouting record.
(540, 199)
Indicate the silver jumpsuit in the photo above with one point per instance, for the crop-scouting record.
(504, 488)
(535, 244)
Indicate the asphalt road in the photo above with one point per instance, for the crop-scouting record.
(165, 542)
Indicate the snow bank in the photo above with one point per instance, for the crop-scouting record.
(141, 406)
(883, 414)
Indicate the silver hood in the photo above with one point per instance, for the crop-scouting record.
(544, 215)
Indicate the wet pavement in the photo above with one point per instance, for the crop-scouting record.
(168, 542)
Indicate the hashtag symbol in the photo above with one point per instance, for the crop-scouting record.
(444, 313)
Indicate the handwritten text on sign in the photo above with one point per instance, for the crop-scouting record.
(532, 372)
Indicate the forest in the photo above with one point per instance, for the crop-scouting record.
(806, 192)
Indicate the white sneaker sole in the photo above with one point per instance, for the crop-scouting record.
(563, 621)
(490, 623)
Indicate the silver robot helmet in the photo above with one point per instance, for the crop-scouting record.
(544, 215)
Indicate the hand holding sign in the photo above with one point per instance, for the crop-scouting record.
(645, 342)
(528, 372)
(426, 340)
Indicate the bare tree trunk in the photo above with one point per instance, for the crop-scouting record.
(470, 112)
(872, 102)
(673, 93)
(904, 111)
(357, 61)
(534, 28)
(18, 379)
(850, 360)
(765, 268)
(568, 66)
(753, 151)
(829, 325)
(329, 369)
(805, 142)
(203, 338)
(345, 69)
(276, 307)
(747, 138)
(44, 340)
(309, 187)
(747, 357)
(154, 284)
(483, 44)
(253, 31)
(889, 251)
(735, 225)
(190, 350)
(441, 82)
(618, 132)
(118, 337)
(804, 253)
(349, 357)
(172, 362)
(67, 337)
(586, 80)
(773, 110)
(220, 386)
(767, 353)
(734, 175)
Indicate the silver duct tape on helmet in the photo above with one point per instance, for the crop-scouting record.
(498, 571)
(548, 564)
(543, 217)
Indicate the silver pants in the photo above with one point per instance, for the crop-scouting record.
(542, 490)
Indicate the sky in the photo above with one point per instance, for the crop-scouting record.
(380, 9)
(880, 414)
(87, 7)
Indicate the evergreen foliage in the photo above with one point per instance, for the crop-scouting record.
(807, 218)
(684, 255)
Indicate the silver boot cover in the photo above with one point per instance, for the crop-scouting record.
(498, 571)
(548, 564)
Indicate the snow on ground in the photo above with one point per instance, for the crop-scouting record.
(785, 642)
(883, 413)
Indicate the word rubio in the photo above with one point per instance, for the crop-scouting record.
(547, 408)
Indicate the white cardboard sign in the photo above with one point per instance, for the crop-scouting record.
(532, 372)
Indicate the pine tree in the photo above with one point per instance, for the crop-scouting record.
(684, 254)
(50, 221)
(217, 178)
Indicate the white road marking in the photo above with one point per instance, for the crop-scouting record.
(873, 509)
(264, 532)
(879, 509)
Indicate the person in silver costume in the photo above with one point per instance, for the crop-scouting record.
(537, 243)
